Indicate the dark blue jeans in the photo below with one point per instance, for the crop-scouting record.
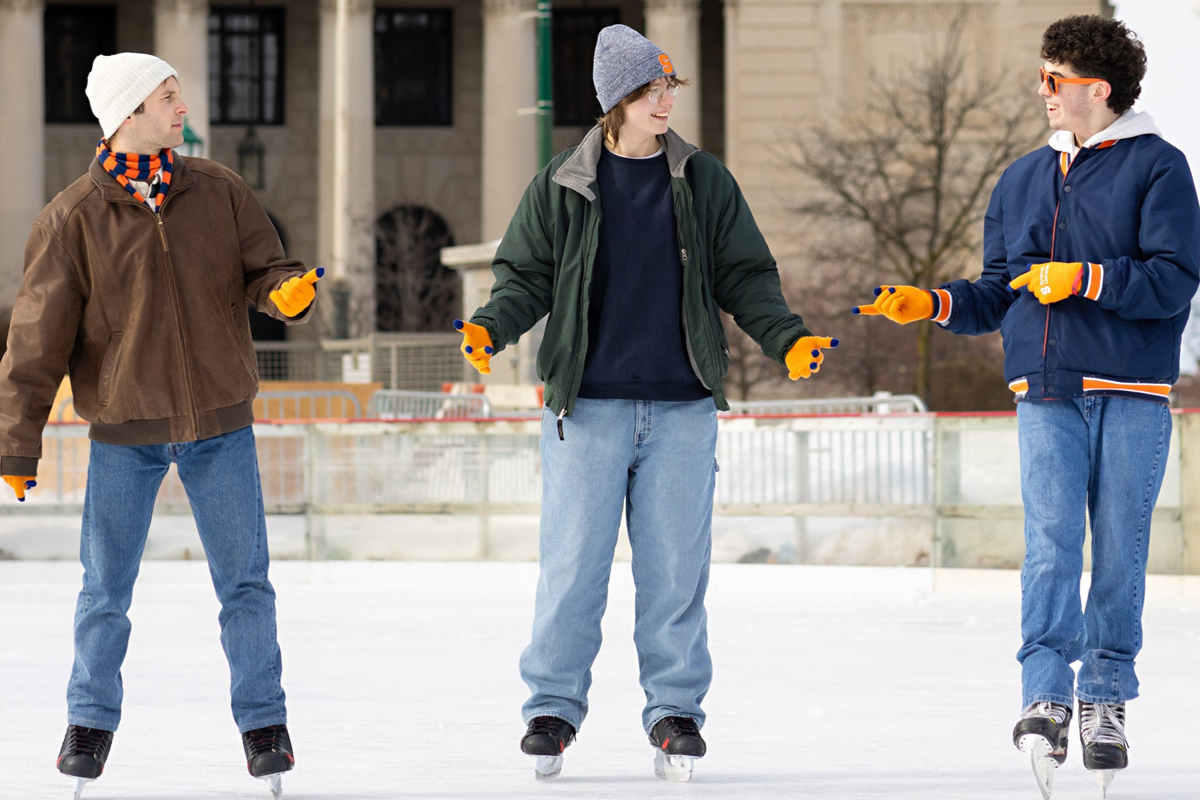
(1105, 455)
(222, 483)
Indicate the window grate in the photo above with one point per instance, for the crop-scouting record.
(245, 66)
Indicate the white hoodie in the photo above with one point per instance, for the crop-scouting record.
(1128, 125)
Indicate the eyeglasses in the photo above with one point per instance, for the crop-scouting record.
(1052, 81)
(656, 92)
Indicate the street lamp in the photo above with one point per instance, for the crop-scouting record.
(193, 145)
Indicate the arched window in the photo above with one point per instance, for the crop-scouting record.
(413, 291)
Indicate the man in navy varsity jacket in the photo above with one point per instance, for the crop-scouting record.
(1091, 258)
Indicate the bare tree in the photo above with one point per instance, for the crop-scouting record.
(908, 181)
(413, 290)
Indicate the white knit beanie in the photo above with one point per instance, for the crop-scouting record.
(120, 83)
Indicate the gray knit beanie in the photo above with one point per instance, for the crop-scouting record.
(625, 61)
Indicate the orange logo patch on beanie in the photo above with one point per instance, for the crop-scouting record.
(666, 63)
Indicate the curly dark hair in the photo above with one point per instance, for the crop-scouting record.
(1099, 47)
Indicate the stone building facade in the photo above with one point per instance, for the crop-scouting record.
(761, 69)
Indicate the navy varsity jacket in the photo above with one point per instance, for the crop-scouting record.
(1125, 207)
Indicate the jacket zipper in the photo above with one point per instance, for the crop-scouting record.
(1053, 242)
(583, 285)
(187, 373)
(683, 255)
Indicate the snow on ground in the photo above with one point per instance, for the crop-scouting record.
(831, 682)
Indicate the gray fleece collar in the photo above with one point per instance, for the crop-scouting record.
(579, 171)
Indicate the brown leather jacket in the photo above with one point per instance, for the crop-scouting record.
(146, 312)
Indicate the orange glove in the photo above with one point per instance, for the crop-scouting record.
(20, 483)
(901, 304)
(805, 356)
(1052, 281)
(476, 346)
(296, 293)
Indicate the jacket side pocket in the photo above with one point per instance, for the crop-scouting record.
(108, 369)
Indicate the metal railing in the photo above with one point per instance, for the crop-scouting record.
(413, 361)
(880, 403)
(395, 404)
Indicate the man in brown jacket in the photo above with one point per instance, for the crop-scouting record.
(136, 280)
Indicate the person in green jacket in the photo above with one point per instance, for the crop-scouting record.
(630, 244)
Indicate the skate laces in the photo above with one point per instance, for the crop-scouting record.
(680, 726)
(551, 726)
(1103, 723)
(264, 740)
(89, 741)
(1048, 710)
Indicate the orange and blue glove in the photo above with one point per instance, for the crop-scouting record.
(296, 294)
(476, 345)
(900, 304)
(805, 357)
(1051, 281)
(20, 484)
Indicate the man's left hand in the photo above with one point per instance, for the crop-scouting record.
(296, 294)
(805, 357)
(20, 484)
(1051, 281)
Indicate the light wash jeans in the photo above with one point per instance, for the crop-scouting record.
(1106, 455)
(221, 478)
(657, 460)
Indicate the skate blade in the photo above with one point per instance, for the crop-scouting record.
(80, 783)
(1104, 777)
(547, 767)
(673, 768)
(274, 782)
(1040, 759)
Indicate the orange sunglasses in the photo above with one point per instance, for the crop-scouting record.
(1052, 81)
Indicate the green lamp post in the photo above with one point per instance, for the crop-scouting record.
(193, 145)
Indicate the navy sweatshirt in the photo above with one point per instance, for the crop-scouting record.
(636, 347)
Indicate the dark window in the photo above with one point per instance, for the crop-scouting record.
(74, 36)
(413, 64)
(245, 66)
(575, 32)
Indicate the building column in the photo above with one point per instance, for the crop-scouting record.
(181, 39)
(733, 23)
(674, 25)
(346, 165)
(23, 131)
(509, 97)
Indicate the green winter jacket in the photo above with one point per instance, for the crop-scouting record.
(544, 266)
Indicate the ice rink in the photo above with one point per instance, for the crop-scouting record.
(831, 682)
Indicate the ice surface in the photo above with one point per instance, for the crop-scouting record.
(831, 682)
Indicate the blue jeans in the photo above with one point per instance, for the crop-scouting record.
(658, 461)
(1106, 455)
(221, 478)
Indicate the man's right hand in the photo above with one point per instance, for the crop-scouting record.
(902, 304)
(476, 346)
(20, 483)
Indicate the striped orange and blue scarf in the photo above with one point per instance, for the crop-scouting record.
(125, 167)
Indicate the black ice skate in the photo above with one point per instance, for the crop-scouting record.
(83, 753)
(269, 755)
(1041, 732)
(1102, 734)
(677, 745)
(546, 738)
